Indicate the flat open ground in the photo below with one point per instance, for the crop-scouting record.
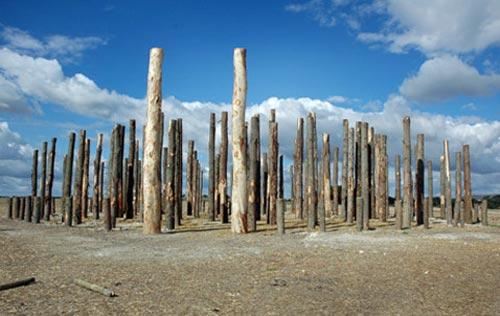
(204, 270)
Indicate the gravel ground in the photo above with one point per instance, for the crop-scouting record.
(205, 270)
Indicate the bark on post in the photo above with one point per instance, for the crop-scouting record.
(371, 168)
(273, 173)
(85, 179)
(335, 183)
(364, 176)
(397, 203)
(50, 180)
(310, 190)
(211, 168)
(152, 146)
(178, 173)
(101, 187)
(169, 177)
(419, 180)
(484, 213)
(327, 201)
(408, 197)
(467, 185)
(359, 217)
(430, 188)
(458, 188)
(68, 174)
(120, 175)
(442, 182)
(350, 177)
(34, 182)
(97, 177)
(78, 187)
(130, 183)
(190, 177)
(40, 207)
(345, 151)
(113, 180)
(223, 169)
(254, 187)
(298, 170)
(447, 183)
(265, 185)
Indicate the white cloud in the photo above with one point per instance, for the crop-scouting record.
(67, 49)
(445, 77)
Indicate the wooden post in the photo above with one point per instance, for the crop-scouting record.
(178, 173)
(350, 177)
(23, 208)
(365, 194)
(106, 209)
(68, 174)
(408, 197)
(17, 207)
(448, 183)
(345, 159)
(169, 177)
(310, 190)
(152, 146)
(430, 188)
(280, 216)
(50, 180)
(39, 213)
(327, 200)
(273, 173)
(371, 173)
(9, 210)
(265, 175)
(281, 179)
(316, 188)
(130, 175)
(211, 168)
(442, 182)
(254, 186)
(121, 174)
(101, 187)
(397, 194)
(484, 213)
(359, 217)
(34, 182)
(458, 188)
(419, 180)
(357, 168)
(223, 168)
(190, 177)
(298, 170)
(85, 179)
(195, 184)
(78, 186)
(467, 185)
(97, 176)
(335, 183)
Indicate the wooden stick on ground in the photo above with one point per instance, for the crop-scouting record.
(15, 284)
(95, 288)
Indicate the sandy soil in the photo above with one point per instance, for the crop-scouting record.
(205, 270)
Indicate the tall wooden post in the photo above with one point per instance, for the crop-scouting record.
(408, 197)
(430, 188)
(327, 201)
(178, 173)
(68, 174)
(298, 170)
(345, 158)
(130, 183)
(169, 177)
(43, 181)
(458, 188)
(211, 168)
(50, 180)
(85, 179)
(371, 172)
(254, 183)
(350, 177)
(9, 212)
(419, 180)
(281, 179)
(335, 183)
(113, 179)
(397, 194)
(273, 173)
(265, 185)
(96, 202)
(34, 182)
(467, 185)
(189, 177)
(239, 188)
(447, 183)
(310, 190)
(223, 168)
(442, 192)
(365, 194)
(484, 213)
(152, 146)
(78, 186)
(316, 188)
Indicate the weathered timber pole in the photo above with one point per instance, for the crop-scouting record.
(310, 190)
(298, 170)
(365, 194)
(359, 206)
(327, 200)
(430, 192)
(484, 213)
(223, 168)
(9, 210)
(265, 185)
(335, 183)
(34, 182)
(345, 159)
(106, 210)
(419, 180)
(130, 184)
(442, 193)
(121, 174)
(190, 177)
(239, 188)
(467, 185)
(78, 186)
(97, 177)
(169, 177)
(101, 187)
(273, 173)
(113, 176)
(397, 194)
(39, 212)
(85, 179)
(350, 177)
(68, 174)
(458, 188)
(178, 173)
(408, 197)
(315, 168)
(281, 179)
(357, 168)
(152, 146)
(254, 187)
(449, 215)
(280, 216)
(17, 207)
(211, 169)
(371, 172)
(50, 180)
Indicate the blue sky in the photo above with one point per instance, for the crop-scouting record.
(435, 60)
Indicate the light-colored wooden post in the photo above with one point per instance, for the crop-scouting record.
(345, 151)
(224, 207)
(458, 188)
(96, 183)
(442, 183)
(467, 185)
(365, 194)
(448, 183)
(298, 170)
(407, 185)
(169, 177)
(350, 176)
(397, 194)
(310, 190)
(327, 201)
(430, 189)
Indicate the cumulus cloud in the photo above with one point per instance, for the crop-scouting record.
(445, 77)
(67, 49)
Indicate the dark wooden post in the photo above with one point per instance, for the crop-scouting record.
(345, 152)
(211, 169)
(17, 207)
(350, 177)
(68, 174)
(78, 186)
(371, 173)
(281, 179)
(298, 170)
(408, 197)
(430, 188)
(190, 176)
(359, 217)
(254, 185)
(458, 188)
(130, 174)
(178, 173)
(223, 169)
(106, 209)
(335, 183)
(273, 172)
(50, 180)
(397, 194)
(121, 174)
(484, 213)
(265, 185)
(113, 176)
(315, 168)
(364, 177)
(34, 182)
(9, 211)
(280, 216)
(419, 180)
(467, 185)
(310, 190)
(357, 168)
(39, 213)
(97, 177)
(85, 179)
(327, 200)
(169, 176)
(442, 182)
(24, 206)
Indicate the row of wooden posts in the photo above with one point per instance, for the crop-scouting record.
(151, 185)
